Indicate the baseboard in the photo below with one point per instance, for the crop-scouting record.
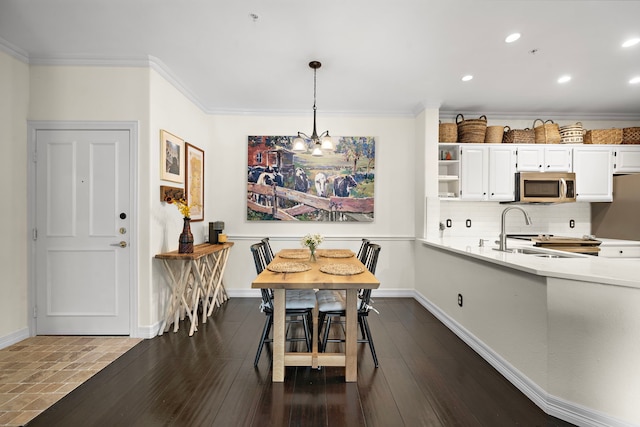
(147, 332)
(14, 337)
(552, 405)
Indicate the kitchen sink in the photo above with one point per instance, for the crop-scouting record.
(541, 253)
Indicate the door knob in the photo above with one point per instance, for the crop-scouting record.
(122, 244)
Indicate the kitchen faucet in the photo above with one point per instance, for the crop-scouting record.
(503, 235)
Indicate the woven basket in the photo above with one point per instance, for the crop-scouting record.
(519, 136)
(603, 136)
(494, 134)
(572, 134)
(471, 131)
(547, 133)
(631, 135)
(448, 132)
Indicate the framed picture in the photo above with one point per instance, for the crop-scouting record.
(194, 181)
(287, 185)
(171, 157)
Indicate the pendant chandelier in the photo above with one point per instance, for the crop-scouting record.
(319, 143)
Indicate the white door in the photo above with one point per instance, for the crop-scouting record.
(82, 225)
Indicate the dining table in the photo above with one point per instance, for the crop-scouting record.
(335, 269)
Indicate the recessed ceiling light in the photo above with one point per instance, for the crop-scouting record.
(631, 42)
(564, 79)
(467, 78)
(635, 80)
(512, 37)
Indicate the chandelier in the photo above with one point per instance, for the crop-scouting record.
(322, 142)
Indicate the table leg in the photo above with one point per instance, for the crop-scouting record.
(351, 362)
(279, 304)
(177, 285)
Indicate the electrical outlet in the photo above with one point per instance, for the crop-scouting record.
(572, 223)
(460, 300)
(468, 223)
(449, 223)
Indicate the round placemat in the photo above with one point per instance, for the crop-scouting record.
(288, 267)
(342, 269)
(336, 254)
(295, 255)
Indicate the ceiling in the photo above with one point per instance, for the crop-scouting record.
(382, 57)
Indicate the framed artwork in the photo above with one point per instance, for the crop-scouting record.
(171, 157)
(194, 181)
(286, 185)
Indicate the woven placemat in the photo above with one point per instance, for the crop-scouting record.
(342, 269)
(336, 254)
(288, 267)
(295, 255)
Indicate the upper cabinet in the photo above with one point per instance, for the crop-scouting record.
(487, 173)
(626, 159)
(543, 158)
(594, 173)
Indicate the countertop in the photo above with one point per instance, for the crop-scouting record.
(611, 271)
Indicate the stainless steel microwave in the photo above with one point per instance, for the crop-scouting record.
(545, 187)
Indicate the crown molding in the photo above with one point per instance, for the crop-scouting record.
(14, 51)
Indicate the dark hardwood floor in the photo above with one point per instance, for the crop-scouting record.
(427, 377)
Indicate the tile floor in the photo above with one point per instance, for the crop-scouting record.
(35, 373)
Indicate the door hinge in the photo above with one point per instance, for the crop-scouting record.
(35, 234)
(35, 311)
(34, 158)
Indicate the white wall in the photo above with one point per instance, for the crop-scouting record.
(393, 226)
(172, 111)
(14, 87)
(83, 93)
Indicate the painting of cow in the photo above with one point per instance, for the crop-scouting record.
(288, 185)
(321, 184)
(342, 185)
(301, 181)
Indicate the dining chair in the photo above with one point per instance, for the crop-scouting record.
(299, 304)
(332, 305)
(362, 252)
(267, 250)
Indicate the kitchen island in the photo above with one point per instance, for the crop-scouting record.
(565, 331)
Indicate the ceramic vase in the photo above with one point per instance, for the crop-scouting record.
(185, 244)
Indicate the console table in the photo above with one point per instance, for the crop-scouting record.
(194, 278)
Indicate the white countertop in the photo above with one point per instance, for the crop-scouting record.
(612, 271)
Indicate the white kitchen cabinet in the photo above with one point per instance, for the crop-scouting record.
(502, 169)
(474, 166)
(626, 159)
(449, 171)
(487, 173)
(543, 158)
(594, 173)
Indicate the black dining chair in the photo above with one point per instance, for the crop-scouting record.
(332, 305)
(299, 305)
(267, 250)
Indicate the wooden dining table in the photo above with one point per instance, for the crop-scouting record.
(314, 278)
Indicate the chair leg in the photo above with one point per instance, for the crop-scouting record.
(326, 334)
(307, 335)
(263, 338)
(364, 322)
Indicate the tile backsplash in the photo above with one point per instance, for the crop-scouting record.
(482, 219)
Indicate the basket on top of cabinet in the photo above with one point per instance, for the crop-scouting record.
(603, 136)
